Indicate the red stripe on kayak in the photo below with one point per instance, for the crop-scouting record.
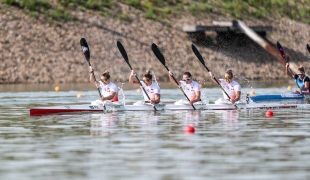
(41, 112)
(277, 107)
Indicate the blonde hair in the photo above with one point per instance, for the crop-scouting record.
(106, 74)
(301, 69)
(148, 74)
(230, 73)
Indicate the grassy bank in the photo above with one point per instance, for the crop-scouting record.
(163, 9)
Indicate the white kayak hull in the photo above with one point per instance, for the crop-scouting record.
(89, 108)
(275, 97)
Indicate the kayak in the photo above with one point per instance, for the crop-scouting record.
(275, 97)
(99, 107)
(112, 107)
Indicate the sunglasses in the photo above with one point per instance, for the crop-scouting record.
(146, 80)
(187, 79)
(103, 80)
(300, 74)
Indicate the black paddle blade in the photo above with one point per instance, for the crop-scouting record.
(281, 50)
(85, 48)
(158, 54)
(122, 50)
(308, 47)
(198, 55)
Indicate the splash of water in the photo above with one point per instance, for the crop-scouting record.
(121, 94)
(204, 98)
(154, 78)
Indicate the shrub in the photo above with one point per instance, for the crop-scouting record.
(124, 17)
(35, 5)
(9, 2)
(60, 14)
(133, 3)
(150, 13)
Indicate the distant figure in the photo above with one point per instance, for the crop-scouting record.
(152, 89)
(302, 81)
(232, 87)
(109, 90)
(190, 87)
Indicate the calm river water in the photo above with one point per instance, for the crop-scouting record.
(237, 144)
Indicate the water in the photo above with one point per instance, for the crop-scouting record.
(237, 144)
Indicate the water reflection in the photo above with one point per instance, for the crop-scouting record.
(230, 119)
(232, 144)
(107, 124)
(192, 118)
(104, 119)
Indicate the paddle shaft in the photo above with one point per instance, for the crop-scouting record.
(283, 54)
(218, 83)
(179, 86)
(161, 58)
(125, 56)
(95, 80)
(200, 58)
(142, 88)
(86, 53)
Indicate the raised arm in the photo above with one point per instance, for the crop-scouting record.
(132, 79)
(171, 78)
(288, 71)
(212, 76)
(91, 77)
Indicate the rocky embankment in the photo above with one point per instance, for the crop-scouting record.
(35, 51)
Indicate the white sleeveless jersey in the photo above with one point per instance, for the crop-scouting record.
(150, 90)
(230, 88)
(107, 89)
(190, 89)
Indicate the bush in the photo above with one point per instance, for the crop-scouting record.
(9, 2)
(150, 13)
(107, 3)
(35, 5)
(60, 14)
(93, 4)
(134, 3)
(124, 17)
(196, 8)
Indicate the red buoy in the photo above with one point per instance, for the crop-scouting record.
(189, 129)
(269, 113)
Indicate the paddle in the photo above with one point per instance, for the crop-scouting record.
(161, 58)
(308, 47)
(282, 52)
(200, 58)
(86, 52)
(124, 54)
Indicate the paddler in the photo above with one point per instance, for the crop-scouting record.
(302, 81)
(232, 87)
(109, 90)
(152, 89)
(190, 87)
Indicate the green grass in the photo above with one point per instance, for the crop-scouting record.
(124, 17)
(60, 14)
(163, 9)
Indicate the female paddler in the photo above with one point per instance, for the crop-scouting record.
(108, 89)
(152, 89)
(190, 87)
(302, 81)
(231, 87)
